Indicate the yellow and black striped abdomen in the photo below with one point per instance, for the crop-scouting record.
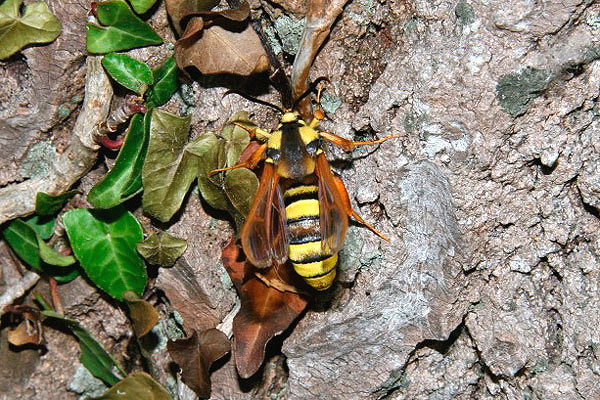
(302, 213)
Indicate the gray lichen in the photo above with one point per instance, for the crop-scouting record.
(465, 15)
(330, 103)
(515, 91)
(290, 32)
(271, 35)
(38, 160)
(414, 120)
(85, 384)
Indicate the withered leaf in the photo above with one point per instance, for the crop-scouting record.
(217, 50)
(196, 354)
(265, 311)
(161, 249)
(29, 331)
(233, 14)
(137, 385)
(143, 315)
(179, 9)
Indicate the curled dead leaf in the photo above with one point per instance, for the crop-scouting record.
(27, 332)
(265, 311)
(181, 11)
(196, 354)
(232, 48)
(178, 10)
(143, 315)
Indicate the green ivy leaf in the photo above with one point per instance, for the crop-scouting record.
(46, 204)
(164, 85)
(68, 274)
(138, 385)
(161, 249)
(93, 356)
(121, 30)
(37, 25)
(128, 72)
(44, 226)
(27, 243)
(52, 257)
(170, 166)
(141, 6)
(104, 243)
(22, 239)
(124, 181)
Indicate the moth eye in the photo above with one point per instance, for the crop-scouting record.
(312, 147)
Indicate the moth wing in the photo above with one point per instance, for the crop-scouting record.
(332, 213)
(264, 233)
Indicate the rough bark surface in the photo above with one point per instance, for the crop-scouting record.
(39, 92)
(488, 288)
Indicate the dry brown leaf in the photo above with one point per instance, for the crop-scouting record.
(178, 10)
(217, 50)
(29, 331)
(196, 354)
(233, 14)
(143, 315)
(181, 11)
(265, 311)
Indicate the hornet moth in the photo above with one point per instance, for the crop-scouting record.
(301, 208)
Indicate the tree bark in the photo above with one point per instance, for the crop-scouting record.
(488, 287)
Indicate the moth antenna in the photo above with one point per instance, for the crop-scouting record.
(254, 100)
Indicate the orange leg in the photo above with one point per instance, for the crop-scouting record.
(339, 183)
(349, 145)
(319, 112)
(251, 163)
(255, 133)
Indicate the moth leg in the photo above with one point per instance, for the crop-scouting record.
(349, 145)
(251, 161)
(255, 133)
(339, 183)
(319, 112)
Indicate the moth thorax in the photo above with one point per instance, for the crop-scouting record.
(289, 117)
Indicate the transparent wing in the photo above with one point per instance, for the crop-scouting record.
(264, 234)
(332, 214)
